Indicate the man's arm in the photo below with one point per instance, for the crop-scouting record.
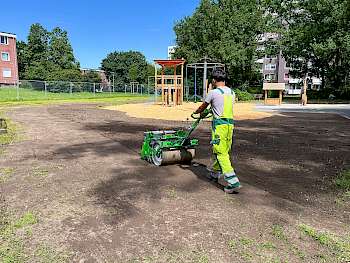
(202, 108)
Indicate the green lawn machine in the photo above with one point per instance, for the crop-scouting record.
(171, 147)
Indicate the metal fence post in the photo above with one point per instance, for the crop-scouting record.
(17, 89)
(45, 88)
(70, 87)
(94, 89)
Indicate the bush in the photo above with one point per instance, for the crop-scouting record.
(243, 95)
(255, 90)
(328, 93)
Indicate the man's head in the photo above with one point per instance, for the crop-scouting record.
(219, 77)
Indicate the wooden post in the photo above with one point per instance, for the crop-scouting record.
(280, 97)
(175, 88)
(266, 95)
(163, 90)
(182, 84)
(155, 82)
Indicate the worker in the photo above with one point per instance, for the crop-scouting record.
(222, 100)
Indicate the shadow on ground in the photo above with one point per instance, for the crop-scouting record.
(291, 156)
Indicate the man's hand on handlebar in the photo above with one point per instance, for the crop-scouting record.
(202, 108)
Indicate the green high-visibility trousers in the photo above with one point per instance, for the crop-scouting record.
(222, 133)
(222, 138)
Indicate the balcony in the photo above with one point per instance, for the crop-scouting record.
(294, 81)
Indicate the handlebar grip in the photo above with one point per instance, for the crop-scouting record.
(194, 117)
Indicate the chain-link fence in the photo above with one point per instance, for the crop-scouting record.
(36, 90)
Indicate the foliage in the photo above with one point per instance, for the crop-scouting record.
(22, 58)
(11, 135)
(315, 38)
(243, 95)
(73, 75)
(255, 90)
(343, 180)
(92, 77)
(338, 246)
(11, 245)
(60, 50)
(47, 56)
(126, 67)
(15, 237)
(225, 31)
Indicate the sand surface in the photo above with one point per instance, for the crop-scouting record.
(242, 111)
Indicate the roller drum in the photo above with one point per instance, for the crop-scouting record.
(178, 156)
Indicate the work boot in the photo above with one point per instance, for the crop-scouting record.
(232, 189)
(232, 183)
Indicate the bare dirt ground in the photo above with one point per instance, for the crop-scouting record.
(79, 170)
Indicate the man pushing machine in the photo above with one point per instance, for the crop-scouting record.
(222, 100)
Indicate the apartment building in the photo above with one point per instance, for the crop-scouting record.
(8, 59)
(171, 51)
(275, 68)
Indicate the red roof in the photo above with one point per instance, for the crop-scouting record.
(170, 62)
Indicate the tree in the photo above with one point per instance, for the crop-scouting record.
(47, 56)
(133, 72)
(126, 67)
(60, 50)
(38, 43)
(22, 58)
(315, 38)
(226, 31)
(92, 77)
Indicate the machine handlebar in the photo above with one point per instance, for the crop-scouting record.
(206, 114)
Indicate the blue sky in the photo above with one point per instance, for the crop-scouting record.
(96, 27)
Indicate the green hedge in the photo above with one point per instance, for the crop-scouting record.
(328, 93)
(243, 95)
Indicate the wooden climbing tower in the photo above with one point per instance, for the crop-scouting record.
(171, 86)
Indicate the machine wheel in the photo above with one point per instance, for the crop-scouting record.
(157, 156)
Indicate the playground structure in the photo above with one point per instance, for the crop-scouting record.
(170, 86)
(205, 64)
(280, 87)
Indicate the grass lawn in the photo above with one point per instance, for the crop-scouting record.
(8, 96)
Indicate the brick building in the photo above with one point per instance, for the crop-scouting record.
(8, 59)
(101, 73)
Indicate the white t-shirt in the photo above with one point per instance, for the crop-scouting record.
(216, 99)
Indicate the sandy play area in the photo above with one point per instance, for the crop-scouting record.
(243, 111)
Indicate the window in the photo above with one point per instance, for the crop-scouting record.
(4, 40)
(5, 56)
(270, 56)
(270, 67)
(270, 77)
(6, 73)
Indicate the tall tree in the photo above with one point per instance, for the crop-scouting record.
(60, 50)
(47, 56)
(126, 67)
(38, 43)
(22, 58)
(224, 30)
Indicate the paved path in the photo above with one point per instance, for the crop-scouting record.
(341, 109)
